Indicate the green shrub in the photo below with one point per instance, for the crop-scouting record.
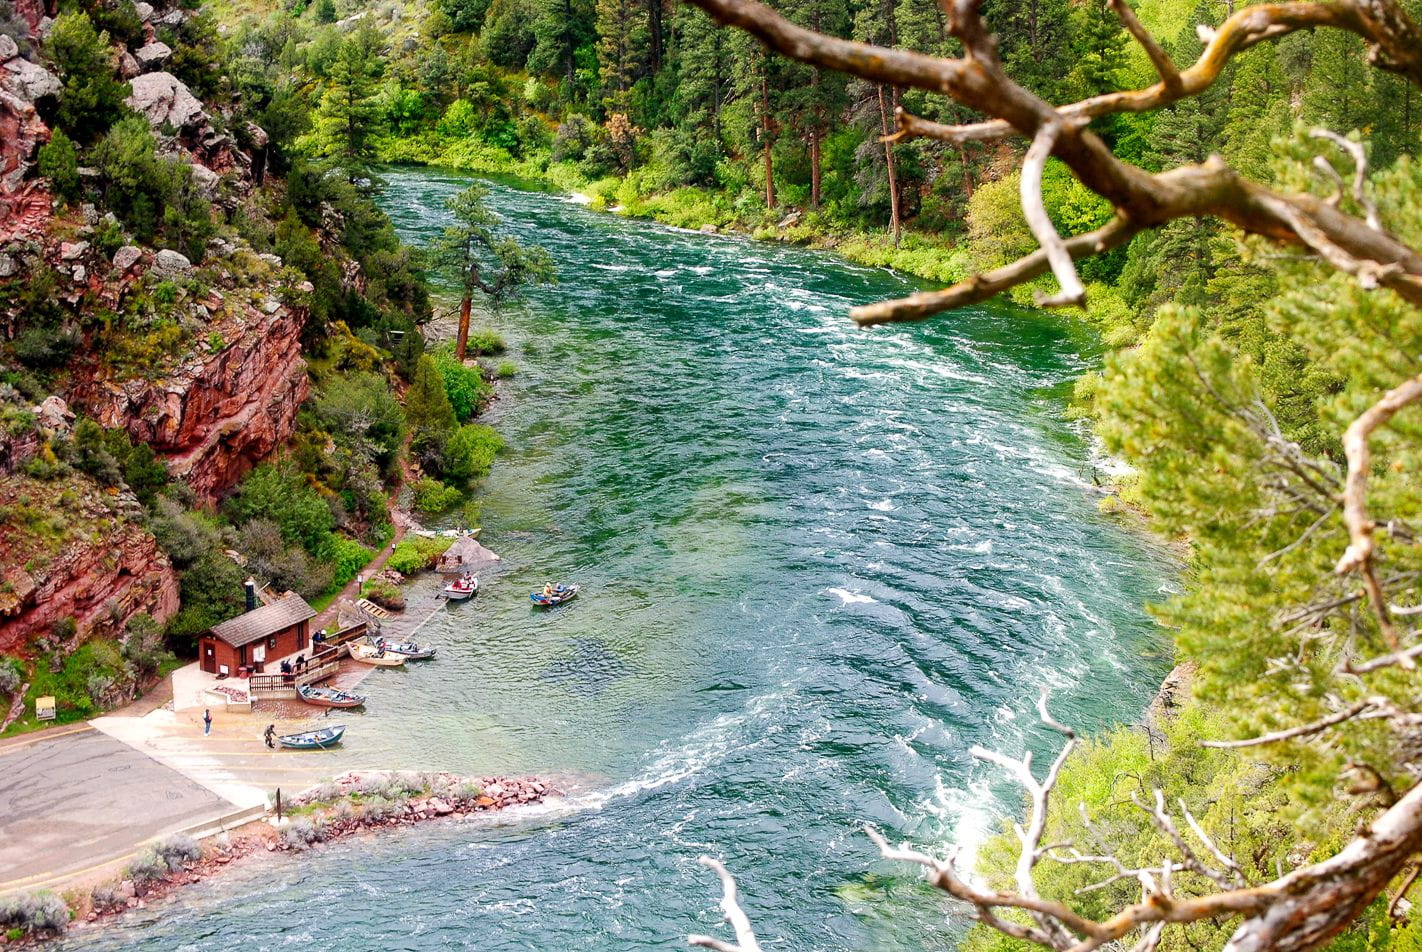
(59, 162)
(485, 343)
(414, 554)
(470, 453)
(507, 370)
(286, 498)
(346, 556)
(10, 676)
(147, 866)
(153, 196)
(464, 386)
(302, 833)
(33, 912)
(92, 98)
(433, 497)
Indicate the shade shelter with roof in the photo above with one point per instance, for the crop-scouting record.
(258, 636)
(466, 555)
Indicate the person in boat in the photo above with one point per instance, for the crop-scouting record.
(270, 735)
(548, 590)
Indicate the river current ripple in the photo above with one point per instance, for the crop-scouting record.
(818, 564)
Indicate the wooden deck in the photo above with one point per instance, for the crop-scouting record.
(320, 666)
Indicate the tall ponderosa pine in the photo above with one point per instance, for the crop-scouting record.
(622, 49)
(471, 253)
(817, 99)
(560, 29)
(877, 23)
(347, 118)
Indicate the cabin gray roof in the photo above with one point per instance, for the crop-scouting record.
(264, 622)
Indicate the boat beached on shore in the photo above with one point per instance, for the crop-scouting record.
(328, 697)
(367, 653)
(313, 740)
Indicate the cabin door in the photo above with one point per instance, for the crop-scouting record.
(209, 659)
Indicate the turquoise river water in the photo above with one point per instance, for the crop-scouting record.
(818, 565)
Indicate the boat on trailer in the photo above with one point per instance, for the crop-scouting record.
(367, 653)
(559, 594)
(313, 740)
(462, 588)
(328, 697)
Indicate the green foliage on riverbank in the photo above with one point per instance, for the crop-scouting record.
(415, 554)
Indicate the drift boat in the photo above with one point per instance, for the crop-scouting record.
(328, 697)
(560, 594)
(459, 590)
(313, 740)
(412, 650)
(370, 654)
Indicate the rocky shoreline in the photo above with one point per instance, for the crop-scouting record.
(354, 803)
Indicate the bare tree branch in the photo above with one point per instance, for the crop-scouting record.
(1142, 200)
(1035, 211)
(1359, 556)
(1164, 66)
(909, 126)
(731, 909)
(1360, 172)
(980, 287)
(1363, 708)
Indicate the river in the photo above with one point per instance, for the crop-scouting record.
(818, 564)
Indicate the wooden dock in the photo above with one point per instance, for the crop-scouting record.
(322, 664)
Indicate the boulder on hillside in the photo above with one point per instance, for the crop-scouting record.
(9, 49)
(29, 81)
(126, 257)
(171, 264)
(144, 11)
(153, 55)
(165, 99)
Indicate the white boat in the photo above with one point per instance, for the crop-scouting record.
(461, 588)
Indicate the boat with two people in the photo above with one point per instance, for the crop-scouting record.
(313, 740)
(461, 588)
(367, 653)
(412, 650)
(328, 697)
(554, 594)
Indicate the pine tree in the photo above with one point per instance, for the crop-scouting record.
(817, 99)
(92, 98)
(471, 252)
(348, 115)
(428, 412)
(622, 49)
(560, 28)
(877, 23)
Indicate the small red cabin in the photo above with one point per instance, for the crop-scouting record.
(258, 636)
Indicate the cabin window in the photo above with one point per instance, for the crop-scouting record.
(271, 643)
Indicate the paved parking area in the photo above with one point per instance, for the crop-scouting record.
(72, 800)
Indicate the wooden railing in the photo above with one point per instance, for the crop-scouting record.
(324, 662)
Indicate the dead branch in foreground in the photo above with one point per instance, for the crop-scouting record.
(1297, 911)
(1360, 247)
(1305, 908)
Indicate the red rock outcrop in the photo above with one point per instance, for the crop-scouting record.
(79, 554)
(24, 202)
(223, 410)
